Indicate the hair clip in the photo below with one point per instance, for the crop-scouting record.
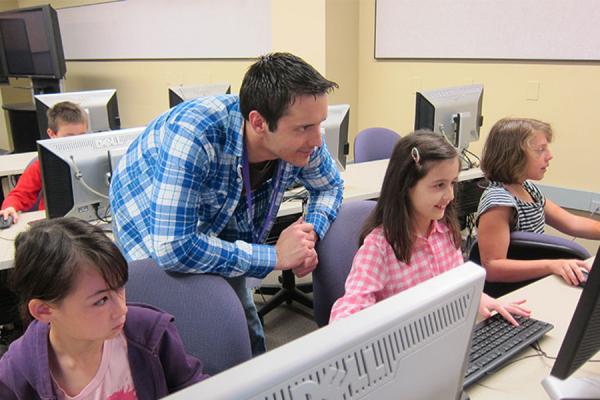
(414, 153)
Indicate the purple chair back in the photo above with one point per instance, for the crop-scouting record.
(530, 246)
(336, 252)
(374, 144)
(208, 314)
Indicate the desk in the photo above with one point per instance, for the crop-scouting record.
(14, 164)
(550, 300)
(7, 237)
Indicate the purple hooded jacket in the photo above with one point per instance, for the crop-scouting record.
(158, 362)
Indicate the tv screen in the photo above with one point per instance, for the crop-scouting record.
(31, 43)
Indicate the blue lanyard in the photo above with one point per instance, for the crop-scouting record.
(271, 212)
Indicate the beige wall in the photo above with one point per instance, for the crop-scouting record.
(568, 98)
(342, 56)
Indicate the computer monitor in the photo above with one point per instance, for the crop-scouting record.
(31, 43)
(335, 131)
(454, 112)
(101, 106)
(181, 93)
(581, 342)
(413, 345)
(76, 172)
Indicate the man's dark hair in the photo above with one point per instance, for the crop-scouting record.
(273, 82)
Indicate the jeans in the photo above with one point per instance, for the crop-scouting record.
(255, 328)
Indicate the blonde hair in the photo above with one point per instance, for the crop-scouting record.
(504, 157)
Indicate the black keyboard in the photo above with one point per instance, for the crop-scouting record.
(495, 341)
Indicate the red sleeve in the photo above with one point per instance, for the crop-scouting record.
(26, 193)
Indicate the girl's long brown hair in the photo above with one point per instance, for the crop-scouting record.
(394, 212)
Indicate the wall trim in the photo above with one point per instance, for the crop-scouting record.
(572, 198)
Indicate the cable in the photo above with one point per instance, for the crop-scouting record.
(474, 155)
(79, 176)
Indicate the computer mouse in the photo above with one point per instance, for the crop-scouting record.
(585, 273)
(6, 223)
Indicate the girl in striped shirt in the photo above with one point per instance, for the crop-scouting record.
(516, 152)
(412, 234)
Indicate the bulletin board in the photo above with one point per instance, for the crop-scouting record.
(167, 29)
(488, 29)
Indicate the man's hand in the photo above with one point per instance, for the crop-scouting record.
(296, 248)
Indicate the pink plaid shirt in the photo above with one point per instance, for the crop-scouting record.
(377, 274)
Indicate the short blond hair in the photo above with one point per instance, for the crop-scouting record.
(504, 157)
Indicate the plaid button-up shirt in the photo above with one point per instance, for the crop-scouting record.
(176, 193)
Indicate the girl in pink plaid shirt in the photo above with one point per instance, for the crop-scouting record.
(413, 234)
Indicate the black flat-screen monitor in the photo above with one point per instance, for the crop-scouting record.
(181, 93)
(101, 107)
(31, 43)
(581, 343)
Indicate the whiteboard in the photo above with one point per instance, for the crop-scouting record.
(488, 29)
(166, 29)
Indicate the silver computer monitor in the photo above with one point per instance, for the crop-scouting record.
(335, 133)
(181, 93)
(454, 112)
(101, 107)
(413, 345)
(76, 172)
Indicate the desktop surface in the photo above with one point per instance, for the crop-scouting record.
(553, 301)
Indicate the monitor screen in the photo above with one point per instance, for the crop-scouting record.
(181, 93)
(335, 131)
(101, 107)
(453, 112)
(581, 342)
(31, 43)
(76, 172)
(413, 345)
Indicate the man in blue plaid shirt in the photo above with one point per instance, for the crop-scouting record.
(198, 191)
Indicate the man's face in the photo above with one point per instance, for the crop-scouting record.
(298, 130)
(68, 129)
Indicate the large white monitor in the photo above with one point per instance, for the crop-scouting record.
(76, 172)
(181, 93)
(335, 130)
(101, 107)
(411, 346)
(454, 112)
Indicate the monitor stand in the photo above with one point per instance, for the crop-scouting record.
(572, 388)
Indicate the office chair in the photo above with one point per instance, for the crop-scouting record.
(374, 144)
(208, 313)
(336, 252)
(530, 246)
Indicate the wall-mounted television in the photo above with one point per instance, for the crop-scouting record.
(31, 43)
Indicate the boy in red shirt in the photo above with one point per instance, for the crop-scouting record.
(64, 119)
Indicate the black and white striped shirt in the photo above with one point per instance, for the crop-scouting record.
(529, 217)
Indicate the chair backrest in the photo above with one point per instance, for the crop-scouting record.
(336, 252)
(374, 144)
(530, 246)
(208, 314)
